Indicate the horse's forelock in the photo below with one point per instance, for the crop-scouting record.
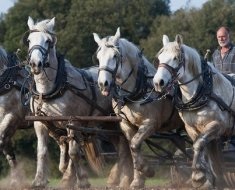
(43, 27)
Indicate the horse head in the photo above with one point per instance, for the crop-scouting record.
(41, 41)
(171, 63)
(109, 57)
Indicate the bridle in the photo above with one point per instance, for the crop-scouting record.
(118, 57)
(43, 51)
(174, 71)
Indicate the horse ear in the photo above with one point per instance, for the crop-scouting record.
(97, 38)
(179, 39)
(117, 35)
(51, 24)
(30, 23)
(165, 40)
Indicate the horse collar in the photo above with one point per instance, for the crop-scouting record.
(9, 76)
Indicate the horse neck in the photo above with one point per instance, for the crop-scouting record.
(45, 81)
(188, 90)
(132, 60)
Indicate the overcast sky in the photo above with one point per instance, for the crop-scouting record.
(175, 4)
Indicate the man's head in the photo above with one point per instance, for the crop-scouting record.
(223, 36)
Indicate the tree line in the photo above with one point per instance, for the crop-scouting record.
(141, 21)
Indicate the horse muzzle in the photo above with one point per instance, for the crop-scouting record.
(104, 88)
(36, 67)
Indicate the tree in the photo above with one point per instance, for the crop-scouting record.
(197, 26)
(76, 20)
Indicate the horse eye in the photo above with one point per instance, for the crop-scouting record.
(175, 58)
(48, 41)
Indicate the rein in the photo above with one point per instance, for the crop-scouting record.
(203, 93)
(8, 79)
(60, 82)
(141, 85)
(61, 85)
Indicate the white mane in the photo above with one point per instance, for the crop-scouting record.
(193, 58)
(43, 27)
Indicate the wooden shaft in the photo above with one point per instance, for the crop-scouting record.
(74, 118)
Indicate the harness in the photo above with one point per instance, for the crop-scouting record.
(202, 95)
(8, 79)
(204, 91)
(142, 83)
(61, 85)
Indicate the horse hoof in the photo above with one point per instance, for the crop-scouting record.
(39, 184)
(125, 182)
(198, 179)
(84, 184)
(148, 172)
(137, 184)
(203, 186)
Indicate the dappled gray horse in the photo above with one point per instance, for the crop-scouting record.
(14, 95)
(125, 73)
(205, 100)
(12, 111)
(61, 89)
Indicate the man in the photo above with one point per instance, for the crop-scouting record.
(224, 57)
(224, 60)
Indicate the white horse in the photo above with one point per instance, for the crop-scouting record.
(61, 89)
(205, 100)
(13, 92)
(12, 111)
(127, 74)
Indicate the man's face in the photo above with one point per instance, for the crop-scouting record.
(223, 37)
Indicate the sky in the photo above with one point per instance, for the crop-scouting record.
(174, 5)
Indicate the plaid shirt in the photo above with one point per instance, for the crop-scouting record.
(227, 63)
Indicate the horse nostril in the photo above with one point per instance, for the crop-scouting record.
(161, 83)
(39, 64)
(106, 83)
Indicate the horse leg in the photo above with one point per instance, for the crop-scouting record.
(41, 177)
(138, 176)
(215, 158)
(69, 177)
(64, 158)
(6, 133)
(139, 162)
(16, 177)
(74, 154)
(202, 175)
(121, 173)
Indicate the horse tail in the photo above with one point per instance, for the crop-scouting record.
(92, 151)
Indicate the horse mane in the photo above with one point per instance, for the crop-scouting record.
(194, 59)
(42, 26)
